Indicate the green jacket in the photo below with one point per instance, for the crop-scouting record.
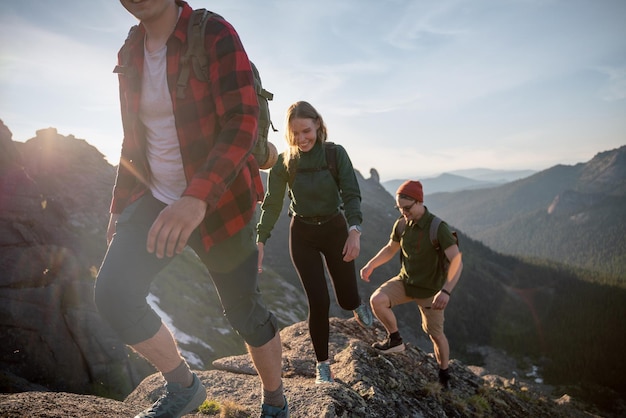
(312, 193)
(420, 270)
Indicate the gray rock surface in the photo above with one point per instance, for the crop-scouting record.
(367, 384)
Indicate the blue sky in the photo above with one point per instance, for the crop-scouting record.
(411, 87)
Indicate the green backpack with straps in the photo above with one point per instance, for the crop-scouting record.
(196, 58)
(444, 263)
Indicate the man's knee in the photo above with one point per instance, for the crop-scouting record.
(253, 322)
(127, 313)
(435, 333)
(379, 299)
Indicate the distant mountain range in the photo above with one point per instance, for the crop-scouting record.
(469, 179)
(575, 215)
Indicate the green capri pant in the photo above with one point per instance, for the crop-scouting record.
(127, 271)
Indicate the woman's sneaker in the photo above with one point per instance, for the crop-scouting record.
(363, 315)
(389, 346)
(177, 400)
(323, 373)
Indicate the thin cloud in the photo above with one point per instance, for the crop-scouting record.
(410, 84)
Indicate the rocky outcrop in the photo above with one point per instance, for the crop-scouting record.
(367, 384)
(51, 333)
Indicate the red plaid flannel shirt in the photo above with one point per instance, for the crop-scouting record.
(216, 125)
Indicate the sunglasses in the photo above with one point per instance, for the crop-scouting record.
(405, 208)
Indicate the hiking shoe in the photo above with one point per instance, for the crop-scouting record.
(389, 346)
(269, 411)
(444, 378)
(323, 373)
(363, 315)
(177, 400)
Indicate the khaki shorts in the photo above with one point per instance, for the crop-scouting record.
(432, 320)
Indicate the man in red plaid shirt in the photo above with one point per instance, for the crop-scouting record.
(186, 177)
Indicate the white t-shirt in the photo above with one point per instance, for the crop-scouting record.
(156, 112)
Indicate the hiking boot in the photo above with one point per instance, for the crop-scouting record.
(389, 346)
(323, 373)
(444, 378)
(269, 411)
(177, 400)
(363, 315)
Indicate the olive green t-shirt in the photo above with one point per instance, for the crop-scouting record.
(420, 269)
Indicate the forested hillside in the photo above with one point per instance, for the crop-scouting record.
(573, 215)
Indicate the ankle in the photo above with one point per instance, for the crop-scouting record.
(181, 375)
(274, 397)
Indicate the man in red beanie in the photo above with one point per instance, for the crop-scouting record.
(421, 279)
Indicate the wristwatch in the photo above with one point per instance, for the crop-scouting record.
(356, 228)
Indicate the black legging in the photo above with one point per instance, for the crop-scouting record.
(307, 244)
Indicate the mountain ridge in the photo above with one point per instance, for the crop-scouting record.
(457, 180)
(545, 216)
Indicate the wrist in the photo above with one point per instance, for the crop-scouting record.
(356, 228)
(446, 292)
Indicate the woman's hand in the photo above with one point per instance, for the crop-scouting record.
(352, 247)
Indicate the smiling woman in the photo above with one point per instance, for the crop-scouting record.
(320, 181)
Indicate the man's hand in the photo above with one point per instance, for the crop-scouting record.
(173, 227)
(352, 247)
(440, 301)
(366, 272)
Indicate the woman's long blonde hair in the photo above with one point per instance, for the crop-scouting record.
(301, 110)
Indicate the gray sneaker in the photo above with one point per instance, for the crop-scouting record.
(269, 411)
(177, 400)
(323, 373)
(363, 315)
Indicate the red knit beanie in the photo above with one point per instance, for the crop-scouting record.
(413, 189)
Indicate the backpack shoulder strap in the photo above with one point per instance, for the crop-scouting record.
(399, 230)
(196, 53)
(400, 226)
(434, 227)
(124, 66)
(292, 168)
(330, 149)
(330, 152)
